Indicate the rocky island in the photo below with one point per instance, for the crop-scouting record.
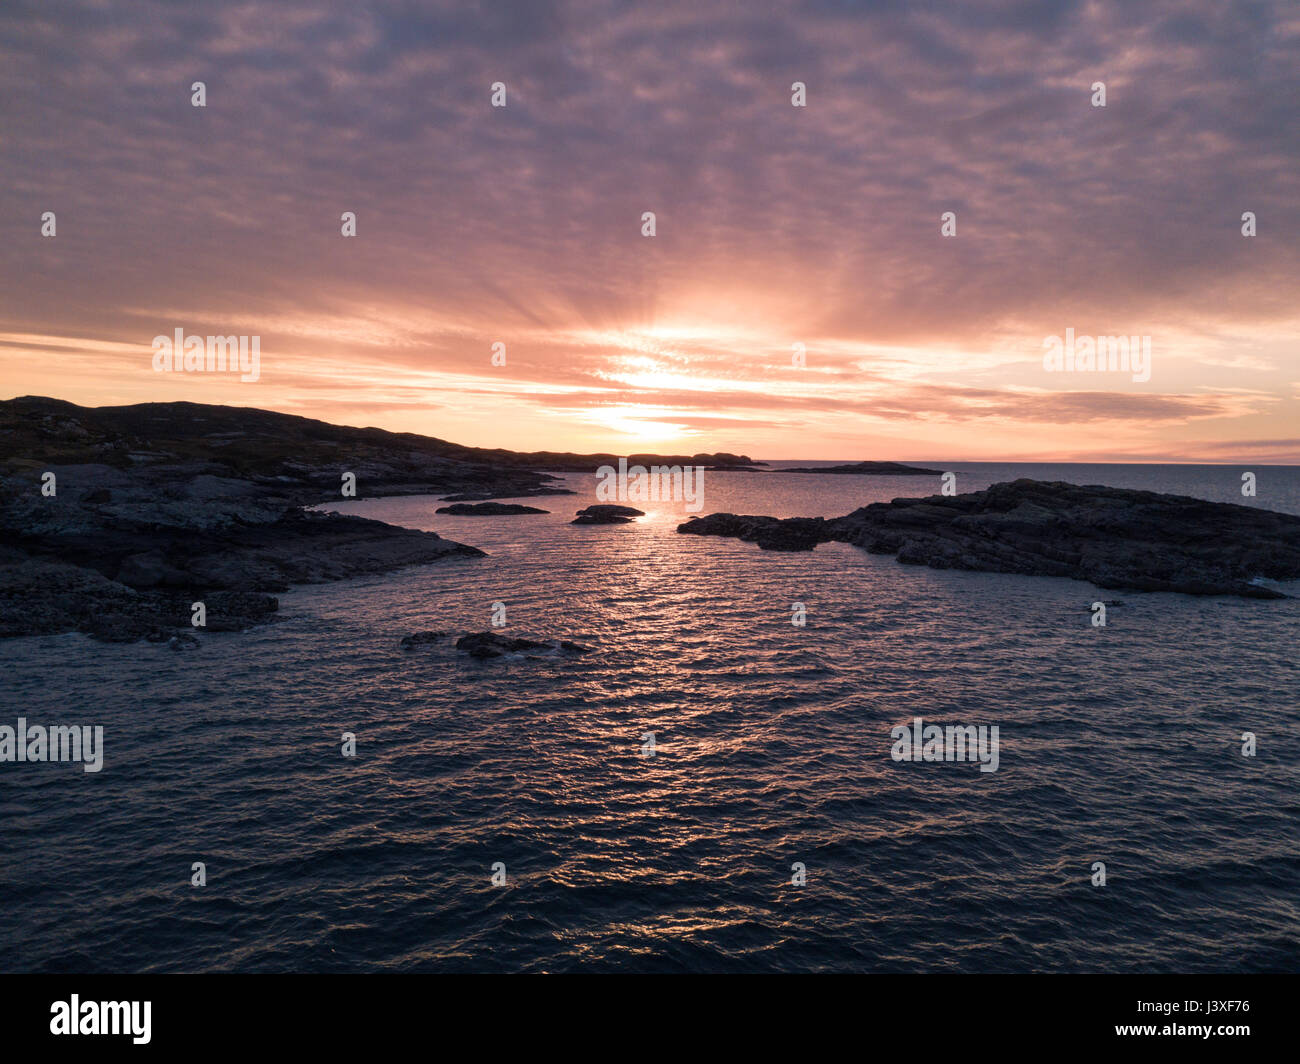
(488, 509)
(875, 469)
(607, 514)
(1111, 537)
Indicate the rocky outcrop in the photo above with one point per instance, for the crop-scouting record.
(484, 645)
(1111, 537)
(488, 509)
(123, 555)
(43, 597)
(876, 469)
(606, 514)
(770, 533)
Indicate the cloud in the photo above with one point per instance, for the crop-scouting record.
(775, 224)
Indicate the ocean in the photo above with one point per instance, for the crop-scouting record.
(1119, 745)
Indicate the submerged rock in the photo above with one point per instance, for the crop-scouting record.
(1111, 537)
(419, 639)
(491, 645)
(606, 514)
(488, 509)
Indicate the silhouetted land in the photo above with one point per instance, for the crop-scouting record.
(873, 469)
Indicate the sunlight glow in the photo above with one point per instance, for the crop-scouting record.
(633, 421)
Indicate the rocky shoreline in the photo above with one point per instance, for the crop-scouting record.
(1111, 537)
(125, 564)
(116, 521)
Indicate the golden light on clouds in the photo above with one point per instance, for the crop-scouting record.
(777, 228)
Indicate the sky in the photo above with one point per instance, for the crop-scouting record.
(780, 231)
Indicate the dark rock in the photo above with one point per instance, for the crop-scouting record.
(234, 611)
(39, 597)
(484, 645)
(1111, 537)
(606, 514)
(182, 641)
(491, 645)
(878, 469)
(117, 626)
(418, 639)
(488, 509)
(172, 526)
(149, 570)
(792, 535)
(770, 533)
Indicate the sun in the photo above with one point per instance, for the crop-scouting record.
(638, 422)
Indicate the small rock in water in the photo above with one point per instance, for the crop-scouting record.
(483, 645)
(606, 514)
(416, 639)
(183, 641)
(491, 645)
(488, 509)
